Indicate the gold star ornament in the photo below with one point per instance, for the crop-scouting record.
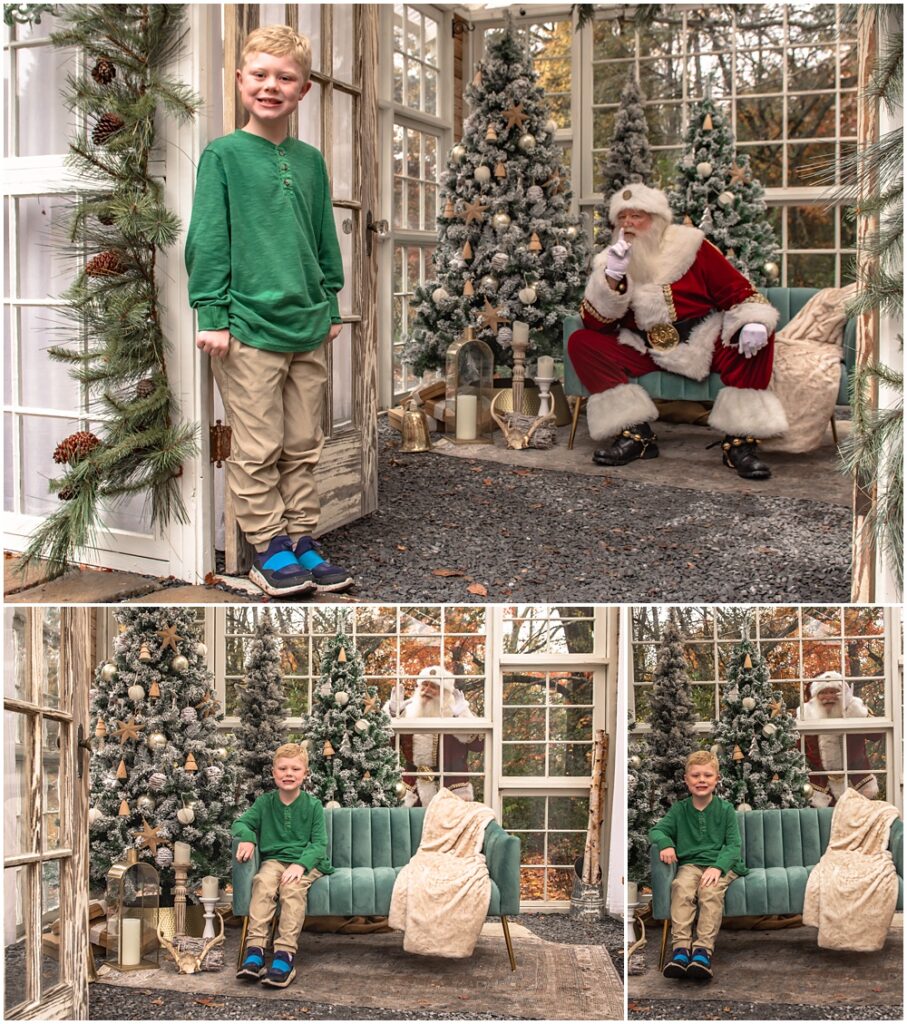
(515, 116)
(150, 836)
(738, 173)
(492, 316)
(169, 638)
(370, 704)
(475, 211)
(777, 707)
(128, 730)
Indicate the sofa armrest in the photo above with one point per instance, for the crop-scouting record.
(662, 877)
(243, 873)
(896, 845)
(502, 855)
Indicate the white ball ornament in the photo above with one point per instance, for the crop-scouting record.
(527, 295)
(749, 703)
(505, 336)
(715, 749)
(439, 295)
(156, 781)
(180, 664)
(108, 672)
(571, 233)
(704, 169)
(527, 142)
(482, 174)
(726, 198)
(331, 805)
(156, 741)
(743, 808)
(768, 729)
(341, 698)
(185, 815)
(136, 692)
(499, 261)
(94, 815)
(501, 221)
(551, 126)
(221, 753)
(201, 650)
(164, 857)
(361, 725)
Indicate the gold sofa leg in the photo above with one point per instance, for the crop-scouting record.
(242, 941)
(664, 943)
(577, 405)
(509, 943)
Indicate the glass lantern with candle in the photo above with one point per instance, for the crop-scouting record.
(133, 902)
(470, 389)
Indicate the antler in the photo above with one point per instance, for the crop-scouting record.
(211, 943)
(186, 961)
(512, 435)
(541, 421)
(171, 949)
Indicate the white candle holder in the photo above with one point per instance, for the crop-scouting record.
(209, 903)
(544, 386)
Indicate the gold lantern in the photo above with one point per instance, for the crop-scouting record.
(133, 903)
(470, 389)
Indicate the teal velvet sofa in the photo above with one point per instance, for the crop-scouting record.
(780, 848)
(664, 385)
(368, 846)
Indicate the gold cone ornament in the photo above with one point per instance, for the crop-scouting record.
(328, 750)
(190, 765)
(477, 78)
(491, 135)
(468, 289)
(341, 657)
(738, 754)
(535, 244)
(121, 770)
(467, 251)
(747, 662)
(707, 123)
(124, 810)
(500, 170)
(449, 210)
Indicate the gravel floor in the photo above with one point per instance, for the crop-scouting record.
(579, 931)
(445, 525)
(712, 1009)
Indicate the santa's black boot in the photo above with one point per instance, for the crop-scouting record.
(636, 442)
(741, 454)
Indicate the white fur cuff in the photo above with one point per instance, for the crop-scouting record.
(609, 412)
(748, 411)
(748, 313)
(649, 306)
(609, 304)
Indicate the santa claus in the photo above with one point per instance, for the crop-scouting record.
(830, 696)
(661, 297)
(434, 697)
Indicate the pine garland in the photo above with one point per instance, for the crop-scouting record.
(116, 233)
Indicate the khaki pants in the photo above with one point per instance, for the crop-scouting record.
(274, 401)
(266, 890)
(686, 898)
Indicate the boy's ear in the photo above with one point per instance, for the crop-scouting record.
(304, 90)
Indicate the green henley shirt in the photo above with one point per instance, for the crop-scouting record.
(708, 839)
(291, 833)
(262, 249)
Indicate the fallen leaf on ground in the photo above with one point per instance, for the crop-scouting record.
(447, 572)
(157, 1002)
(488, 481)
(401, 547)
(478, 589)
(208, 1001)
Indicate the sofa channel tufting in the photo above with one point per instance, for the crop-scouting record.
(780, 847)
(367, 847)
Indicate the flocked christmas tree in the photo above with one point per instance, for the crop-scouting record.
(715, 190)
(352, 760)
(641, 814)
(262, 709)
(756, 739)
(672, 737)
(160, 771)
(508, 247)
(629, 156)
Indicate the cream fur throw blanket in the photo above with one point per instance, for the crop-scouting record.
(807, 368)
(851, 894)
(441, 897)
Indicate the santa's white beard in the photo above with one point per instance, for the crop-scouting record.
(431, 707)
(644, 254)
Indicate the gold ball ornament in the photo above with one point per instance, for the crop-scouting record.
(501, 221)
(458, 153)
(180, 664)
(635, 760)
(399, 788)
(108, 672)
(145, 804)
(772, 270)
(331, 805)
(156, 741)
(527, 142)
(808, 789)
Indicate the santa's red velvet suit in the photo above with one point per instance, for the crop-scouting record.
(687, 321)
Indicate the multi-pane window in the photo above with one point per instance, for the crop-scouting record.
(552, 834)
(787, 78)
(799, 645)
(416, 59)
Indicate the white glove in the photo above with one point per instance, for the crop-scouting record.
(753, 337)
(618, 258)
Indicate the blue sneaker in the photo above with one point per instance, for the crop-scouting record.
(282, 971)
(253, 966)
(327, 577)
(700, 965)
(278, 573)
(677, 966)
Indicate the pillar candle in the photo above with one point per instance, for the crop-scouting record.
(632, 893)
(182, 853)
(546, 367)
(467, 417)
(520, 332)
(210, 887)
(130, 941)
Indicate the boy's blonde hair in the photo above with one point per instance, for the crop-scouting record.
(292, 750)
(703, 757)
(281, 41)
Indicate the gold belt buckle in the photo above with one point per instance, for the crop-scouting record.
(664, 337)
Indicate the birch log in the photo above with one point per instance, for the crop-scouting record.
(592, 853)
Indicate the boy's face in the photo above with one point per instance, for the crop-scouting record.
(270, 87)
(289, 773)
(701, 779)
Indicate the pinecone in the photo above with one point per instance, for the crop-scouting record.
(104, 72)
(108, 125)
(106, 217)
(66, 494)
(75, 447)
(144, 388)
(105, 264)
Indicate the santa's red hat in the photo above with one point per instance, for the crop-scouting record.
(640, 197)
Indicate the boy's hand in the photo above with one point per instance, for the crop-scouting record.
(214, 343)
(668, 856)
(333, 333)
(292, 874)
(711, 876)
(244, 851)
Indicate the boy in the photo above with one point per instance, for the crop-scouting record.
(287, 825)
(264, 272)
(700, 835)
